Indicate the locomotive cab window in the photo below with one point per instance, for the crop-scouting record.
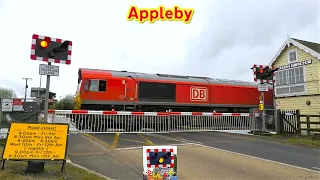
(98, 85)
(102, 85)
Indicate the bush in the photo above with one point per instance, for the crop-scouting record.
(65, 103)
(7, 93)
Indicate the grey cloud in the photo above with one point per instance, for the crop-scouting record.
(247, 23)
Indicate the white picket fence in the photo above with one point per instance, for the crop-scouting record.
(84, 121)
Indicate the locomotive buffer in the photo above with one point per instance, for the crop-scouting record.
(265, 75)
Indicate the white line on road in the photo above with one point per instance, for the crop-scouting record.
(129, 148)
(179, 139)
(316, 168)
(88, 170)
(140, 147)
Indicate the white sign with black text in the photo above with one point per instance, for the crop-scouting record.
(302, 63)
(263, 87)
(45, 69)
(6, 105)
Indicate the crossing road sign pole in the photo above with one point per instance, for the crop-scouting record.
(51, 50)
(265, 75)
(46, 100)
(263, 112)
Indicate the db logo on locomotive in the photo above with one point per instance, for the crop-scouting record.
(198, 94)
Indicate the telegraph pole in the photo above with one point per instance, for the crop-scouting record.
(26, 88)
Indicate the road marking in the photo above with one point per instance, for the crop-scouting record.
(178, 137)
(86, 154)
(232, 135)
(185, 140)
(316, 168)
(128, 148)
(267, 160)
(146, 139)
(172, 139)
(183, 144)
(140, 147)
(88, 170)
(115, 140)
(141, 142)
(108, 146)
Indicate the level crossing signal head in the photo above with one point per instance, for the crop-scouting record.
(160, 158)
(261, 71)
(265, 73)
(45, 42)
(50, 49)
(60, 48)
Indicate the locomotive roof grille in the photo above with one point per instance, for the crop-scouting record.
(172, 76)
(181, 77)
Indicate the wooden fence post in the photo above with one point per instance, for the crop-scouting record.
(308, 125)
(298, 130)
(280, 120)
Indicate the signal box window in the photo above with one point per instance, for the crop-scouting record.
(98, 85)
(293, 56)
(290, 82)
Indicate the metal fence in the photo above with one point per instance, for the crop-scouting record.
(16, 110)
(82, 121)
(4, 124)
(270, 119)
(292, 122)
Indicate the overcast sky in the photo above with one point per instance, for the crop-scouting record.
(224, 39)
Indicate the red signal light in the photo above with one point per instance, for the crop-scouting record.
(261, 71)
(45, 42)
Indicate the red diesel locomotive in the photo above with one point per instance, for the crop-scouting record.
(134, 91)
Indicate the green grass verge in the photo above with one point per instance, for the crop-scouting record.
(16, 170)
(306, 141)
(311, 141)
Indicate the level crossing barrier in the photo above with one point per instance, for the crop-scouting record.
(85, 121)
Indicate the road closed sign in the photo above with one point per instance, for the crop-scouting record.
(32, 141)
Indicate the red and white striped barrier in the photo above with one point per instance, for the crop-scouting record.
(150, 122)
(146, 113)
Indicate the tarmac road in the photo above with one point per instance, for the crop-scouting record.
(120, 157)
(244, 144)
(254, 146)
(196, 162)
